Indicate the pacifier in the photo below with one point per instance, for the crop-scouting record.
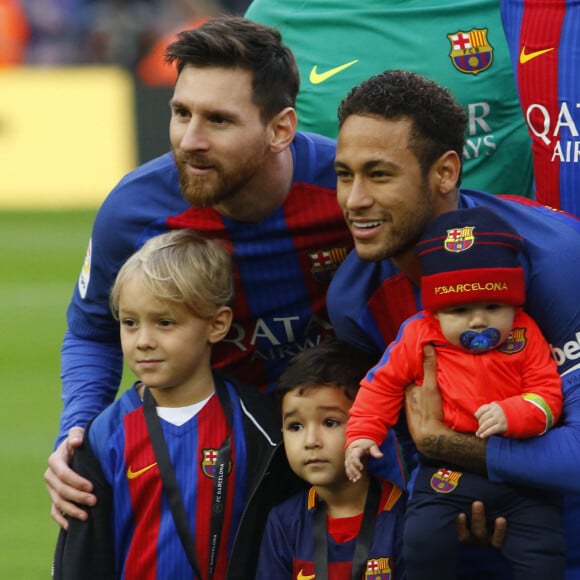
(479, 341)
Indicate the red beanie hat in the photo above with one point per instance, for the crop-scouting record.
(470, 255)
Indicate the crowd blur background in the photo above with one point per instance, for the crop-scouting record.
(72, 32)
(83, 84)
(83, 100)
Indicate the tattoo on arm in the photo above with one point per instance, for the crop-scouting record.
(461, 449)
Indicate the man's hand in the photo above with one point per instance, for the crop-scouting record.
(423, 404)
(355, 453)
(478, 532)
(64, 485)
(431, 436)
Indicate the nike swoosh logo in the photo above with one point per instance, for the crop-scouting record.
(301, 576)
(528, 56)
(316, 78)
(133, 474)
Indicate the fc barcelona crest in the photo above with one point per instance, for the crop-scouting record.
(209, 461)
(445, 480)
(459, 239)
(515, 342)
(378, 569)
(471, 52)
(323, 263)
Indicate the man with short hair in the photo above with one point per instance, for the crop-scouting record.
(398, 163)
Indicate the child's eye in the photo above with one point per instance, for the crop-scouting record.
(331, 423)
(166, 322)
(128, 322)
(293, 427)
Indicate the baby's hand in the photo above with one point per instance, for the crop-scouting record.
(355, 453)
(491, 419)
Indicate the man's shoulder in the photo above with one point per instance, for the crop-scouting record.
(152, 169)
(149, 192)
(314, 159)
(360, 277)
(532, 220)
(154, 183)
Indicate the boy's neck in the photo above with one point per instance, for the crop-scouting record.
(346, 500)
(179, 397)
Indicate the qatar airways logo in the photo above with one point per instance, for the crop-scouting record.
(279, 337)
(548, 129)
(480, 141)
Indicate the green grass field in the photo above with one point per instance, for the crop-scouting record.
(41, 254)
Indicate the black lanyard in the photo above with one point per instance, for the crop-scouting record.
(363, 541)
(171, 489)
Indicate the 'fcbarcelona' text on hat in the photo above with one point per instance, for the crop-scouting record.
(472, 287)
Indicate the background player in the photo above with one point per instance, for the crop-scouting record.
(459, 44)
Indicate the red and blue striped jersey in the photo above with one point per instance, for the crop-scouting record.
(147, 545)
(544, 42)
(287, 549)
(283, 267)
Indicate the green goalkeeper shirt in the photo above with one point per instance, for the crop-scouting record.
(458, 43)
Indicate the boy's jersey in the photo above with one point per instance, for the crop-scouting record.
(288, 547)
(368, 301)
(458, 43)
(283, 266)
(544, 41)
(147, 545)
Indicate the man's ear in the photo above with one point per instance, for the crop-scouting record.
(445, 173)
(220, 324)
(281, 129)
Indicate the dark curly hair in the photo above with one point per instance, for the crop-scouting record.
(438, 121)
(237, 43)
(331, 363)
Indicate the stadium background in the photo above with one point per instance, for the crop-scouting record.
(66, 136)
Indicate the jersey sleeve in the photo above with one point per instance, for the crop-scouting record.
(91, 355)
(347, 305)
(91, 373)
(539, 405)
(276, 550)
(380, 398)
(549, 462)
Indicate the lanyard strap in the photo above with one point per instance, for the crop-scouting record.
(363, 541)
(171, 488)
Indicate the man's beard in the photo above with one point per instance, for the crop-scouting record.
(408, 230)
(219, 184)
(203, 190)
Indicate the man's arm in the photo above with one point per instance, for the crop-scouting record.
(91, 372)
(555, 456)
(432, 437)
(66, 488)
